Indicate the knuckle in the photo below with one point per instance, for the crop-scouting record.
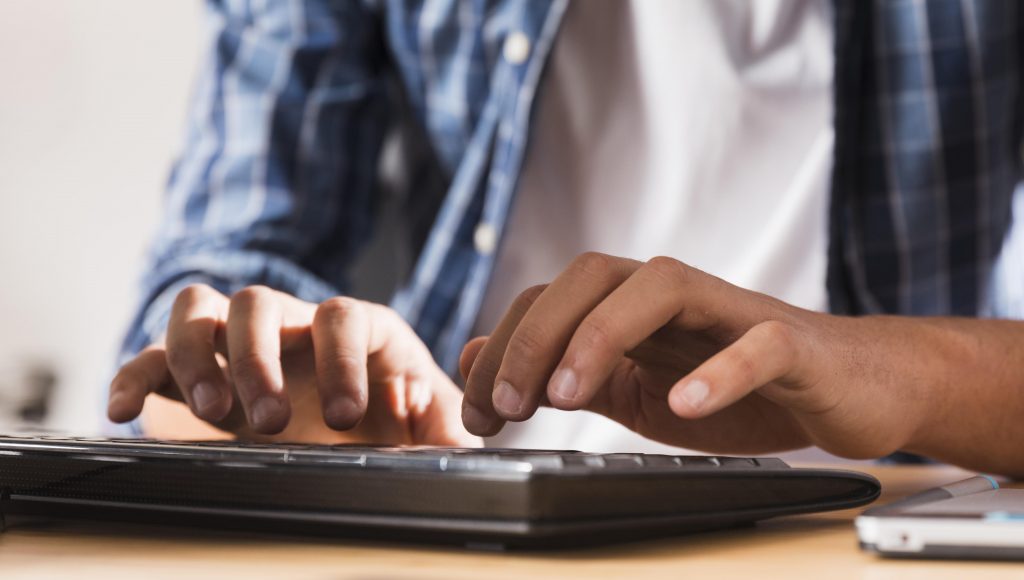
(192, 293)
(336, 309)
(781, 335)
(742, 365)
(527, 297)
(669, 269)
(251, 295)
(528, 343)
(596, 333)
(593, 264)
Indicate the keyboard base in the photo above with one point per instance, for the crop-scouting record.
(478, 535)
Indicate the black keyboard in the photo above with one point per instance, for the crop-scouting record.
(481, 496)
(414, 458)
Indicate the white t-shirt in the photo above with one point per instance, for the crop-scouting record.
(699, 130)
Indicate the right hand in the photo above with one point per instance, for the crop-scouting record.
(266, 363)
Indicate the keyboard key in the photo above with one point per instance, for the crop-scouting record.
(623, 461)
(662, 461)
(415, 458)
(591, 460)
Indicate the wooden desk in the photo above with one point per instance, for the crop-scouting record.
(816, 546)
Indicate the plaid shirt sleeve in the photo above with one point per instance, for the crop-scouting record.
(274, 185)
(928, 156)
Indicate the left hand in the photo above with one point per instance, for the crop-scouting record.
(263, 346)
(684, 358)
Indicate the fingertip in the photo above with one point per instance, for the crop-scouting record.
(564, 389)
(210, 402)
(269, 415)
(508, 403)
(478, 423)
(343, 413)
(114, 412)
(689, 398)
(120, 409)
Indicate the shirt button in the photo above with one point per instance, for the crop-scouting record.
(517, 48)
(485, 239)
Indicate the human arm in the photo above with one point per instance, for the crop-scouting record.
(685, 358)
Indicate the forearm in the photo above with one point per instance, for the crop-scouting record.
(958, 384)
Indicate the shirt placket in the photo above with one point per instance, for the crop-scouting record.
(467, 235)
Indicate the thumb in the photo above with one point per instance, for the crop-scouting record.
(767, 352)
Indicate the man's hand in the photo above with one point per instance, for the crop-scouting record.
(264, 362)
(685, 358)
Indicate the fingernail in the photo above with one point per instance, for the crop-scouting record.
(564, 384)
(205, 396)
(474, 420)
(342, 413)
(695, 393)
(264, 410)
(506, 399)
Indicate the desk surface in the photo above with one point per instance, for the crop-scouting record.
(814, 546)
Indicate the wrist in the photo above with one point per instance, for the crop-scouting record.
(883, 372)
(918, 363)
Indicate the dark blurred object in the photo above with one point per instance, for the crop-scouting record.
(41, 381)
(26, 394)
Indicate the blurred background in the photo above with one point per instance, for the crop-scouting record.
(92, 104)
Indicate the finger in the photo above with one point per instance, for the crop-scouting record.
(661, 291)
(478, 413)
(144, 374)
(540, 338)
(341, 337)
(393, 347)
(254, 356)
(192, 331)
(767, 352)
(469, 354)
(435, 414)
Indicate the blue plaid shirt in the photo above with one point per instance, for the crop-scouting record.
(277, 181)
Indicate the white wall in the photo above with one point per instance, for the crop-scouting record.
(92, 101)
